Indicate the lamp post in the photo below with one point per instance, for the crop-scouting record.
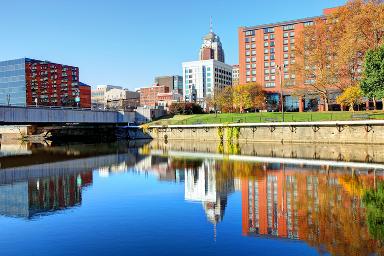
(8, 98)
(281, 90)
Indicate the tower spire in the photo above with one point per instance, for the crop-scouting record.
(210, 25)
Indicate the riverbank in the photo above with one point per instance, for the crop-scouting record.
(341, 132)
(261, 117)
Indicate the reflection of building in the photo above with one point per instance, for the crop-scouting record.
(27, 199)
(316, 205)
(201, 185)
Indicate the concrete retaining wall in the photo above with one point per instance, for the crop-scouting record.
(363, 132)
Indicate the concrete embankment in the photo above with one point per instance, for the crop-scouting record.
(349, 132)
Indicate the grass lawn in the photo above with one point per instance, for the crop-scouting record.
(268, 117)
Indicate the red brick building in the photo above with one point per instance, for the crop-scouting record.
(149, 96)
(85, 95)
(51, 84)
(264, 50)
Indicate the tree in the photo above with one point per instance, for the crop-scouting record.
(372, 83)
(374, 201)
(223, 98)
(350, 97)
(356, 27)
(248, 96)
(314, 66)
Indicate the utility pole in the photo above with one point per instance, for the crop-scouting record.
(281, 91)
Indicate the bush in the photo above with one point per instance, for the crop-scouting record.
(182, 108)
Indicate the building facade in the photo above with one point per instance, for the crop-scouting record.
(266, 53)
(98, 95)
(85, 95)
(212, 49)
(26, 82)
(149, 95)
(202, 78)
(175, 83)
(122, 99)
(235, 74)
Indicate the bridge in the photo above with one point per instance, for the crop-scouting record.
(12, 115)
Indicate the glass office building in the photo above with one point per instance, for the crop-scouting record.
(13, 82)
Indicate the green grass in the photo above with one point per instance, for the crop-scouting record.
(266, 117)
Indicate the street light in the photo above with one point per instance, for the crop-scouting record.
(8, 98)
(281, 91)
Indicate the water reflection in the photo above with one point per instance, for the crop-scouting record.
(321, 205)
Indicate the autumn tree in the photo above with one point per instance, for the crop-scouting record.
(355, 27)
(350, 97)
(315, 67)
(247, 96)
(372, 83)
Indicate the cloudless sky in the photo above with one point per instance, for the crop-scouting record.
(128, 43)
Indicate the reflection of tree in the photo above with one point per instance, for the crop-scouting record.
(374, 201)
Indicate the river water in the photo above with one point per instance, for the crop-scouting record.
(151, 198)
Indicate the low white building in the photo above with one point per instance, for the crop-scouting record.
(201, 78)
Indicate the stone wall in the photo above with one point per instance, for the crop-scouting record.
(362, 132)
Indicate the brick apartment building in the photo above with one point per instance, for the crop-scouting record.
(26, 82)
(85, 95)
(264, 49)
(149, 95)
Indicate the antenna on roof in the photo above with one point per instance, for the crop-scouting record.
(210, 25)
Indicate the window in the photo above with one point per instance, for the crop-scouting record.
(266, 57)
(253, 72)
(266, 37)
(253, 52)
(270, 84)
(292, 40)
(254, 79)
(266, 71)
(273, 71)
(286, 76)
(285, 35)
(285, 48)
(208, 69)
(250, 33)
(253, 65)
(253, 59)
(292, 61)
(253, 45)
(285, 70)
(253, 39)
(286, 62)
(266, 51)
(247, 40)
(248, 73)
(285, 41)
(272, 43)
(247, 53)
(272, 36)
(272, 56)
(292, 34)
(273, 64)
(248, 59)
(272, 50)
(266, 78)
(269, 30)
(273, 78)
(288, 27)
(308, 23)
(286, 55)
(266, 64)
(247, 46)
(266, 44)
(248, 66)
(248, 79)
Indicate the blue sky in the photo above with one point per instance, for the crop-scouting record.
(127, 43)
